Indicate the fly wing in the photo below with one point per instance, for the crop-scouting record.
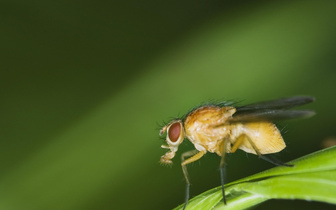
(274, 110)
(270, 115)
(283, 103)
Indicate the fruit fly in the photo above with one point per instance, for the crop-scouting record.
(222, 128)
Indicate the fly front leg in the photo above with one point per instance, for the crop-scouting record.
(196, 155)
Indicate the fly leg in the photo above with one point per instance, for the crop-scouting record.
(275, 161)
(195, 156)
(222, 167)
(240, 140)
(222, 164)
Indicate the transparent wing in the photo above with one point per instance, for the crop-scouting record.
(274, 110)
(271, 115)
(283, 103)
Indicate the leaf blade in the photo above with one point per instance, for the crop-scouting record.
(313, 178)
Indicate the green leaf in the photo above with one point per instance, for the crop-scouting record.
(313, 178)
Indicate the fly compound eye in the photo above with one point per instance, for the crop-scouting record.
(175, 133)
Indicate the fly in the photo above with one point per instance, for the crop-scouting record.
(223, 128)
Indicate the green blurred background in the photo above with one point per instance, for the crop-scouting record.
(84, 85)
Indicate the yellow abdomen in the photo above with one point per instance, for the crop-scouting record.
(265, 136)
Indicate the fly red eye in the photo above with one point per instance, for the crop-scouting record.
(174, 132)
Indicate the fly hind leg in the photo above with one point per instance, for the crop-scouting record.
(275, 161)
(241, 139)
